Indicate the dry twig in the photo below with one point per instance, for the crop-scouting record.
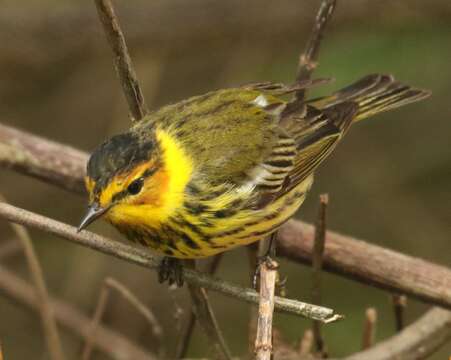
(112, 284)
(122, 61)
(317, 264)
(50, 328)
(207, 319)
(399, 305)
(369, 328)
(308, 59)
(417, 341)
(110, 342)
(142, 257)
(185, 338)
(263, 339)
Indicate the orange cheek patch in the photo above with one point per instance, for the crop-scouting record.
(154, 190)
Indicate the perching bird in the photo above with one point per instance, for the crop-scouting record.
(227, 168)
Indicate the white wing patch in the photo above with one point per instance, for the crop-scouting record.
(260, 101)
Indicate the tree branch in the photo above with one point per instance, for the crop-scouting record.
(370, 264)
(122, 61)
(308, 59)
(263, 340)
(142, 257)
(108, 341)
(112, 284)
(416, 341)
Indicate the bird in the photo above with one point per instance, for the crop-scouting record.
(227, 168)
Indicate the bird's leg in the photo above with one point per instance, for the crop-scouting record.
(267, 258)
(171, 270)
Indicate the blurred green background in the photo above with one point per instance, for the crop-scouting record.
(389, 181)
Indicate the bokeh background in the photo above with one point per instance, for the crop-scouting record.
(389, 181)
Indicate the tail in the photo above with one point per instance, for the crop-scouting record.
(373, 94)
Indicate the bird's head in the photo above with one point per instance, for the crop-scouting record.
(135, 179)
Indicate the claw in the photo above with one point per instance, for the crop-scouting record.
(171, 270)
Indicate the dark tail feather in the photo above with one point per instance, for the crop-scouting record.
(373, 94)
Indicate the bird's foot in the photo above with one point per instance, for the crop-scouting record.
(171, 270)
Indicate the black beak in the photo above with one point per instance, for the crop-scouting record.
(93, 213)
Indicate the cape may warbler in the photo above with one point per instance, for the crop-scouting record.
(226, 168)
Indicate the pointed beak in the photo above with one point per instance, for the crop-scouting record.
(93, 213)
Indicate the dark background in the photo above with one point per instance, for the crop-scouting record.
(389, 181)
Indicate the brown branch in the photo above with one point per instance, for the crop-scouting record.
(369, 264)
(46, 160)
(369, 328)
(63, 166)
(50, 328)
(185, 338)
(108, 341)
(112, 284)
(417, 341)
(206, 317)
(207, 320)
(263, 339)
(399, 305)
(317, 264)
(1, 351)
(142, 257)
(122, 61)
(308, 59)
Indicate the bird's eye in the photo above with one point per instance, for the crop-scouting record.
(135, 186)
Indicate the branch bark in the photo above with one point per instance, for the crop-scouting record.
(369, 264)
(142, 257)
(416, 341)
(263, 340)
(122, 61)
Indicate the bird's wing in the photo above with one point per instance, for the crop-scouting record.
(315, 133)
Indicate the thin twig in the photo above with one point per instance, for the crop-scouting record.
(1, 351)
(263, 339)
(112, 284)
(417, 341)
(369, 328)
(110, 342)
(122, 61)
(207, 319)
(185, 338)
(399, 305)
(37, 277)
(308, 59)
(142, 257)
(317, 264)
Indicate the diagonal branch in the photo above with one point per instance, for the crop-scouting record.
(112, 284)
(142, 257)
(308, 59)
(122, 61)
(416, 341)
